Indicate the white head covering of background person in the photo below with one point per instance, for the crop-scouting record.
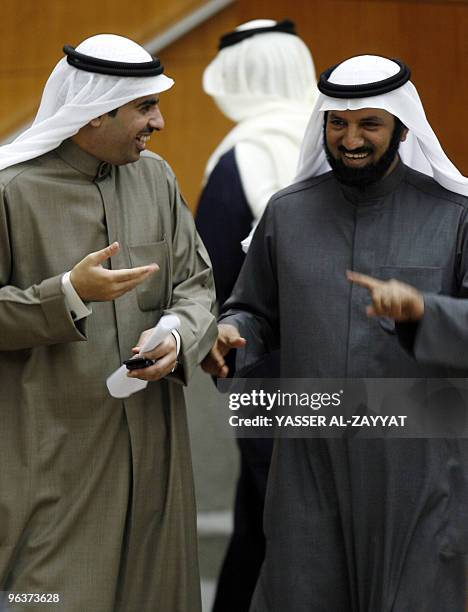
(74, 96)
(266, 83)
(421, 150)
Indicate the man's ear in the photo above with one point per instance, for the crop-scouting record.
(404, 134)
(97, 122)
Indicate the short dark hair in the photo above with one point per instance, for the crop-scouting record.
(113, 112)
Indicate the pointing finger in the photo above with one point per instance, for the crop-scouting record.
(122, 287)
(133, 274)
(363, 280)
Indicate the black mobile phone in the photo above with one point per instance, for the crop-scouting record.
(137, 363)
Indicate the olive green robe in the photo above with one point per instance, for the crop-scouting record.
(96, 493)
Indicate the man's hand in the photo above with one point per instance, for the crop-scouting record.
(391, 299)
(165, 355)
(93, 283)
(228, 338)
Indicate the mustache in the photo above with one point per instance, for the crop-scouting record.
(148, 131)
(343, 149)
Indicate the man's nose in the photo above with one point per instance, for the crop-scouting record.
(156, 121)
(353, 138)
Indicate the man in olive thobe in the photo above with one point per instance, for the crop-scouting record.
(96, 494)
(355, 525)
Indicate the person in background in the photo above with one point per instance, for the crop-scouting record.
(263, 78)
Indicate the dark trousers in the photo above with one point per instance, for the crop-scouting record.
(246, 549)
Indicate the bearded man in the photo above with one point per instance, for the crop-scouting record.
(96, 493)
(356, 525)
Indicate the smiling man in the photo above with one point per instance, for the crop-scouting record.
(120, 136)
(362, 145)
(360, 269)
(97, 509)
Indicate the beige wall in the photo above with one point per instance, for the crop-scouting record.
(429, 35)
(33, 32)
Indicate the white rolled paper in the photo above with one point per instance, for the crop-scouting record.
(118, 383)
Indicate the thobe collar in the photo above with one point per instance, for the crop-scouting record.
(95, 169)
(375, 191)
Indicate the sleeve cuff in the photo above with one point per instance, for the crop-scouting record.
(406, 333)
(75, 304)
(176, 335)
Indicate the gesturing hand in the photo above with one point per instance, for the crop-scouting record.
(228, 338)
(93, 283)
(392, 298)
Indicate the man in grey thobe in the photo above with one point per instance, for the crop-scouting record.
(96, 494)
(362, 525)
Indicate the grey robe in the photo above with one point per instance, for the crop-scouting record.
(96, 494)
(361, 525)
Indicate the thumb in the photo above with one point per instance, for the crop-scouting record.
(231, 341)
(237, 342)
(100, 256)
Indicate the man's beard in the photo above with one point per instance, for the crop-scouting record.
(371, 173)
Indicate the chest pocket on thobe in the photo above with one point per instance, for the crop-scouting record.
(155, 292)
(425, 279)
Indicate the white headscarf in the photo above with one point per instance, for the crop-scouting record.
(421, 150)
(265, 83)
(72, 97)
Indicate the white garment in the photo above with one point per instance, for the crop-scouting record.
(421, 150)
(73, 97)
(266, 83)
(75, 304)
